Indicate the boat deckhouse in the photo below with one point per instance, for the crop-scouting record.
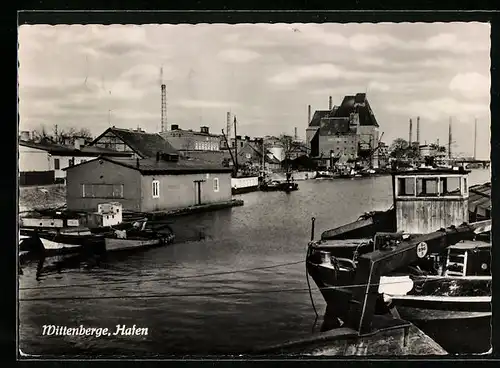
(426, 200)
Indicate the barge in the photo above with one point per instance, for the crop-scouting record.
(445, 288)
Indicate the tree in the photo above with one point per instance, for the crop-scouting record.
(58, 135)
(398, 148)
(286, 141)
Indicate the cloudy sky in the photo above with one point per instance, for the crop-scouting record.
(265, 74)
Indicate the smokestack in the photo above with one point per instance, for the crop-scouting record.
(418, 130)
(295, 133)
(411, 128)
(475, 137)
(308, 114)
(330, 103)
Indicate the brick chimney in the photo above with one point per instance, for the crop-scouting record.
(174, 127)
(204, 130)
(330, 103)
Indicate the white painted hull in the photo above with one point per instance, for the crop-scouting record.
(114, 244)
(51, 245)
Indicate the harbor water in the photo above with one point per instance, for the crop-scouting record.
(164, 290)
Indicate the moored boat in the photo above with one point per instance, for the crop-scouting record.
(286, 186)
(449, 288)
(138, 237)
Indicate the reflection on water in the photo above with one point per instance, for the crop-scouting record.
(221, 312)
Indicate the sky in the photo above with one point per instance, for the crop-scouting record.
(96, 76)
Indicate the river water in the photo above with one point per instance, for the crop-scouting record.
(188, 314)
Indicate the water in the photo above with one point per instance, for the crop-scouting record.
(193, 316)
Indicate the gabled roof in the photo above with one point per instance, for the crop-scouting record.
(144, 144)
(210, 157)
(150, 166)
(60, 150)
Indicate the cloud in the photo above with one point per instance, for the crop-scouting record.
(306, 72)
(376, 86)
(238, 55)
(450, 42)
(266, 74)
(204, 104)
(439, 109)
(471, 84)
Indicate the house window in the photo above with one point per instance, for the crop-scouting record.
(406, 187)
(56, 164)
(156, 189)
(216, 184)
(102, 190)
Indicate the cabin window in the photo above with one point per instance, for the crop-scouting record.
(156, 189)
(216, 184)
(406, 186)
(102, 190)
(450, 186)
(56, 164)
(427, 187)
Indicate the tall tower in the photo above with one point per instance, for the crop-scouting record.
(163, 103)
(228, 126)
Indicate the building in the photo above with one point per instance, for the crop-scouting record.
(136, 142)
(189, 140)
(383, 155)
(349, 130)
(44, 162)
(152, 184)
(251, 153)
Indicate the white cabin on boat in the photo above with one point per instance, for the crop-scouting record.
(108, 214)
(427, 200)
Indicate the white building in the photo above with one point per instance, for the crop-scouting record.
(43, 163)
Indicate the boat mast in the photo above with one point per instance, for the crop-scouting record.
(235, 146)
(263, 157)
(229, 148)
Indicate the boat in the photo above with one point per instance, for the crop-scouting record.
(442, 291)
(325, 174)
(276, 185)
(241, 184)
(138, 237)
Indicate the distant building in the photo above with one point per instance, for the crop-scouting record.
(189, 140)
(151, 184)
(136, 142)
(251, 154)
(350, 130)
(44, 163)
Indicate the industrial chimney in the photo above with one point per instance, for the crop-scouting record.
(295, 135)
(330, 103)
(418, 130)
(308, 114)
(409, 138)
